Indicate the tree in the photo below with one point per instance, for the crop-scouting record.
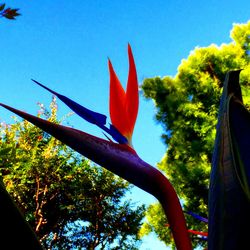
(187, 107)
(68, 201)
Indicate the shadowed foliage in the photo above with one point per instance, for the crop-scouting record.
(8, 12)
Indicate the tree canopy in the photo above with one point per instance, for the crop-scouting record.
(68, 201)
(187, 107)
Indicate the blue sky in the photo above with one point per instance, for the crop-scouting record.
(65, 45)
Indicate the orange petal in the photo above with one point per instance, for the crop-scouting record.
(132, 96)
(117, 101)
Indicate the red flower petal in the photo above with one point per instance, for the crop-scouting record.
(117, 97)
(132, 96)
(123, 106)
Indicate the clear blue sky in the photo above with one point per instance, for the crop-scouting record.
(65, 45)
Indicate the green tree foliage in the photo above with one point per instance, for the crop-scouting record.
(69, 202)
(187, 107)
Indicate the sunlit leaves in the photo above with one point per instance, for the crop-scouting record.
(241, 36)
(187, 108)
(156, 221)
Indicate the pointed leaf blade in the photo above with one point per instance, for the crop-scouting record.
(229, 205)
